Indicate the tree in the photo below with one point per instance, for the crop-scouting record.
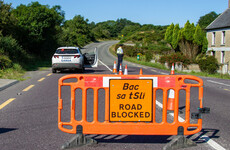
(7, 20)
(175, 36)
(207, 19)
(200, 39)
(190, 40)
(101, 33)
(38, 26)
(76, 32)
(130, 29)
(169, 34)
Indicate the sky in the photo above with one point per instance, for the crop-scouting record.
(156, 12)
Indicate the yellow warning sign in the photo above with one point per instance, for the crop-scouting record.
(131, 100)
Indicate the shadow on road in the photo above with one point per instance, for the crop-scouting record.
(130, 138)
(5, 130)
(204, 134)
(201, 138)
(87, 71)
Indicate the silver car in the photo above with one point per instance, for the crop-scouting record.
(72, 58)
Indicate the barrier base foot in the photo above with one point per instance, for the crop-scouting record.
(178, 142)
(78, 140)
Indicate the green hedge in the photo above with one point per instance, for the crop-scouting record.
(175, 57)
(208, 64)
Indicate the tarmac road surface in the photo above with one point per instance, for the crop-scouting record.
(29, 114)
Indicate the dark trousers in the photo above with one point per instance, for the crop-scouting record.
(120, 59)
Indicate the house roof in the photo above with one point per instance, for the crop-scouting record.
(221, 21)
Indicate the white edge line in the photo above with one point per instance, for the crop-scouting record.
(105, 65)
(212, 143)
(163, 73)
(218, 82)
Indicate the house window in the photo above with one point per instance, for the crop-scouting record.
(222, 56)
(223, 38)
(213, 53)
(213, 38)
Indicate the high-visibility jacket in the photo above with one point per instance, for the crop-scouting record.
(119, 50)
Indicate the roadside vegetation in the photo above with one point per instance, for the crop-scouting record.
(29, 35)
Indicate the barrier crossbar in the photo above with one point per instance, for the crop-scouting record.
(149, 127)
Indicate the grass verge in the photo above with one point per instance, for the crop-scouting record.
(17, 71)
(204, 74)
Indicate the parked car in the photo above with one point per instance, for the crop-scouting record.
(72, 58)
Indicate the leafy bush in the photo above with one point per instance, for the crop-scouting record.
(208, 64)
(148, 55)
(17, 67)
(128, 50)
(10, 47)
(175, 57)
(5, 62)
(163, 59)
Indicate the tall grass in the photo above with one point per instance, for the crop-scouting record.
(16, 72)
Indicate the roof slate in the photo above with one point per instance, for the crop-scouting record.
(222, 21)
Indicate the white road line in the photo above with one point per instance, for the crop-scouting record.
(163, 73)
(205, 137)
(159, 104)
(218, 83)
(105, 65)
(212, 143)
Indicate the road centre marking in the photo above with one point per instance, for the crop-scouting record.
(41, 79)
(49, 74)
(218, 83)
(226, 89)
(6, 102)
(28, 88)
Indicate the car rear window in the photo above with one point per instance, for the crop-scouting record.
(67, 51)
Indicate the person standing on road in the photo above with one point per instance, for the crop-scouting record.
(120, 55)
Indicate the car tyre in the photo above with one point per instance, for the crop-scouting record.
(54, 70)
(82, 70)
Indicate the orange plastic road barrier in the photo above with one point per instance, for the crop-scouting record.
(130, 118)
(120, 70)
(114, 67)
